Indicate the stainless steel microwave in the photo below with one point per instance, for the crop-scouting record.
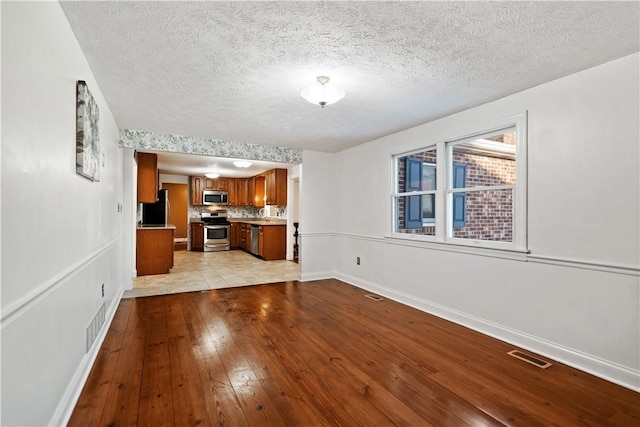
(214, 198)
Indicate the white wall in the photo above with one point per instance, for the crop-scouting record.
(318, 212)
(61, 233)
(576, 296)
(173, 179)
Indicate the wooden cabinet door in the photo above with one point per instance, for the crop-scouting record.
(242, 191)
(270, 187)
(273, 242)
(243, 236)
(234, 236)
(197, 236)
(258, 192)
(147, 177)
(222, 184)
(281, 187)
(196, 190)
(276, 187)
(232, 189)
(247, 238)
(215, 184)
(261, 240)
(154, 251)
(251, 189)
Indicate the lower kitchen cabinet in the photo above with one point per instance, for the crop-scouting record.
(246, 239)
(154, 250)
(197, 236)
(272, 242)
(234, 235)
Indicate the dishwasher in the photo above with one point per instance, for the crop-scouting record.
(255, 231)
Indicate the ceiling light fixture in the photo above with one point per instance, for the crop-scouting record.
(212, 175)
(322, 93)
(242, 164)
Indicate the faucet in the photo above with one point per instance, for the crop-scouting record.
(262, 213)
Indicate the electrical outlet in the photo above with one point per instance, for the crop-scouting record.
(357, 260)
(103, 290)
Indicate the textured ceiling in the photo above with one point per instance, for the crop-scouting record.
(234, 70)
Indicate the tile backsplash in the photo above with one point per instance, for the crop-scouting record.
(239, 211)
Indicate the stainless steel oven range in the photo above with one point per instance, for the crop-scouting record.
(216, 231)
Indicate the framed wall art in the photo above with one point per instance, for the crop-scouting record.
(87, 134)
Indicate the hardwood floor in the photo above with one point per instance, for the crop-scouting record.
(321, 354)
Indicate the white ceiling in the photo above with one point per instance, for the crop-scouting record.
(234, 70)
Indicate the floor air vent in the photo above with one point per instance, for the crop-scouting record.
(374, 297)
(529, 359)
(94, 328)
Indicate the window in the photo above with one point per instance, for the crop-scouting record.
(429, 200)
(469, 191)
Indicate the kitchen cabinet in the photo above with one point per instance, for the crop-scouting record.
(219, 184)
(234, 235)
(147, 177)
(251, 190)
(258, 192)
(154, 250)
(197, 236)
(245, 237)
(276, 187)
(232, 189)
(238, 191)
(272, 242)
(196, 190)
(261, 241)
(242, 188)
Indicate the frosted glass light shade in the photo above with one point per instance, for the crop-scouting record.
(242, 164)
(212, 175)
(322, 93)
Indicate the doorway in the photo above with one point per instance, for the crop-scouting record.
(178, 212)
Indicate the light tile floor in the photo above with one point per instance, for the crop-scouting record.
(198, 271)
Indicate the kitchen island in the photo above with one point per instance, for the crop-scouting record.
(154, 249)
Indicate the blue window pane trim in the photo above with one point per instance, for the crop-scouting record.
(459, 207)
(413, 182)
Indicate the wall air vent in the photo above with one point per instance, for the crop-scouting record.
(535, 361)
(94, 327)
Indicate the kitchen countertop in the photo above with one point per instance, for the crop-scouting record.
(259, 221)
(156, 227)
(252, 221)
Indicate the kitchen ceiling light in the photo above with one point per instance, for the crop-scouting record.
(242, 164)
(212, 175)
(322, 93)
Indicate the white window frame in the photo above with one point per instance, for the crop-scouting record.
(430, 222)
(443, 198)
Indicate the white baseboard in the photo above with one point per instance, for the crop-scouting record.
(70, 397)
(604, 369)
(316, 276)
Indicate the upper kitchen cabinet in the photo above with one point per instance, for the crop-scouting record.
(232, 188)
(147, 177)
(196, 190)
(276, 187)
(217, 184)
(256, 191)
(242, 188)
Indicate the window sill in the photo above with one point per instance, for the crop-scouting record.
(419, 241)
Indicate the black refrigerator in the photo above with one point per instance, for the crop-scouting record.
(156, 214)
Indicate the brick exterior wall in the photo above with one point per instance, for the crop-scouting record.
(488, 214)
